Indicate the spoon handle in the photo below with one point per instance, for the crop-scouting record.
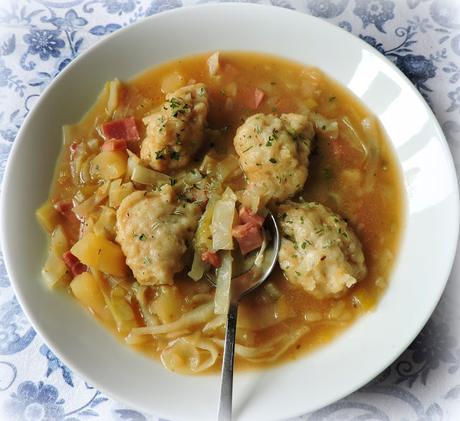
(225, 403)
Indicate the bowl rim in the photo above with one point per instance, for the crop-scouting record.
(451, 252)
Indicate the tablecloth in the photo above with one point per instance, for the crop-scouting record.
(38, 38)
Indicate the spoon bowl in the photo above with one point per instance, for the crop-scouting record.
(264, 262)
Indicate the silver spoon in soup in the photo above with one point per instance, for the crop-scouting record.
(241, 285)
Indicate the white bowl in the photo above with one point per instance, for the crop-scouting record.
(428, 243)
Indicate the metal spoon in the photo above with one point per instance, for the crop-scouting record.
(240, 286)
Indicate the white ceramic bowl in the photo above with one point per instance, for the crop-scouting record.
(428, 243)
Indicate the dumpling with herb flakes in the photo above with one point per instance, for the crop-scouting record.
(273, 153)
(319, 251)
(154, 230)
(176, 131)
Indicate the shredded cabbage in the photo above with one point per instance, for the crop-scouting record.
(149, 318)
(85, 208)
(203, 236)
(227, 167)
(370, 130)
(216, 323)
(222, 221)
(190, 354)
(223, 283)
(198, 267)
(133, 161)
(55, 270)
(149, 177)
(122, 311)
(194, 317)
(269, 351)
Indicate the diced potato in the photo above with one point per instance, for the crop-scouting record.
(109, 165)
(167, 305)
(47, 216)
(55, 270)
(118, 192)
(172, 82)
(86, 289)
(100, 253)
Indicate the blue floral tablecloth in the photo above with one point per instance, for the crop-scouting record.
(38, 38)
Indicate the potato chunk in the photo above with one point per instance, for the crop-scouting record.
(154, 230)
(273, 153)
(109, 165)
(176, 131)
(100, 253)
(86, 289)
(319, 251)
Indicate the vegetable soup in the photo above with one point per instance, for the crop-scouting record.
(167, 180)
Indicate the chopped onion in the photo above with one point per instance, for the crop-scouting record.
(354, 138)
(113, 88)
(326, 127)
(213, 64)
(172, 82)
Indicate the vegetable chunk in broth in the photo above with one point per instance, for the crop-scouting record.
(168, 178)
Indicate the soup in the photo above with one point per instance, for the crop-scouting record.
(168, 179)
